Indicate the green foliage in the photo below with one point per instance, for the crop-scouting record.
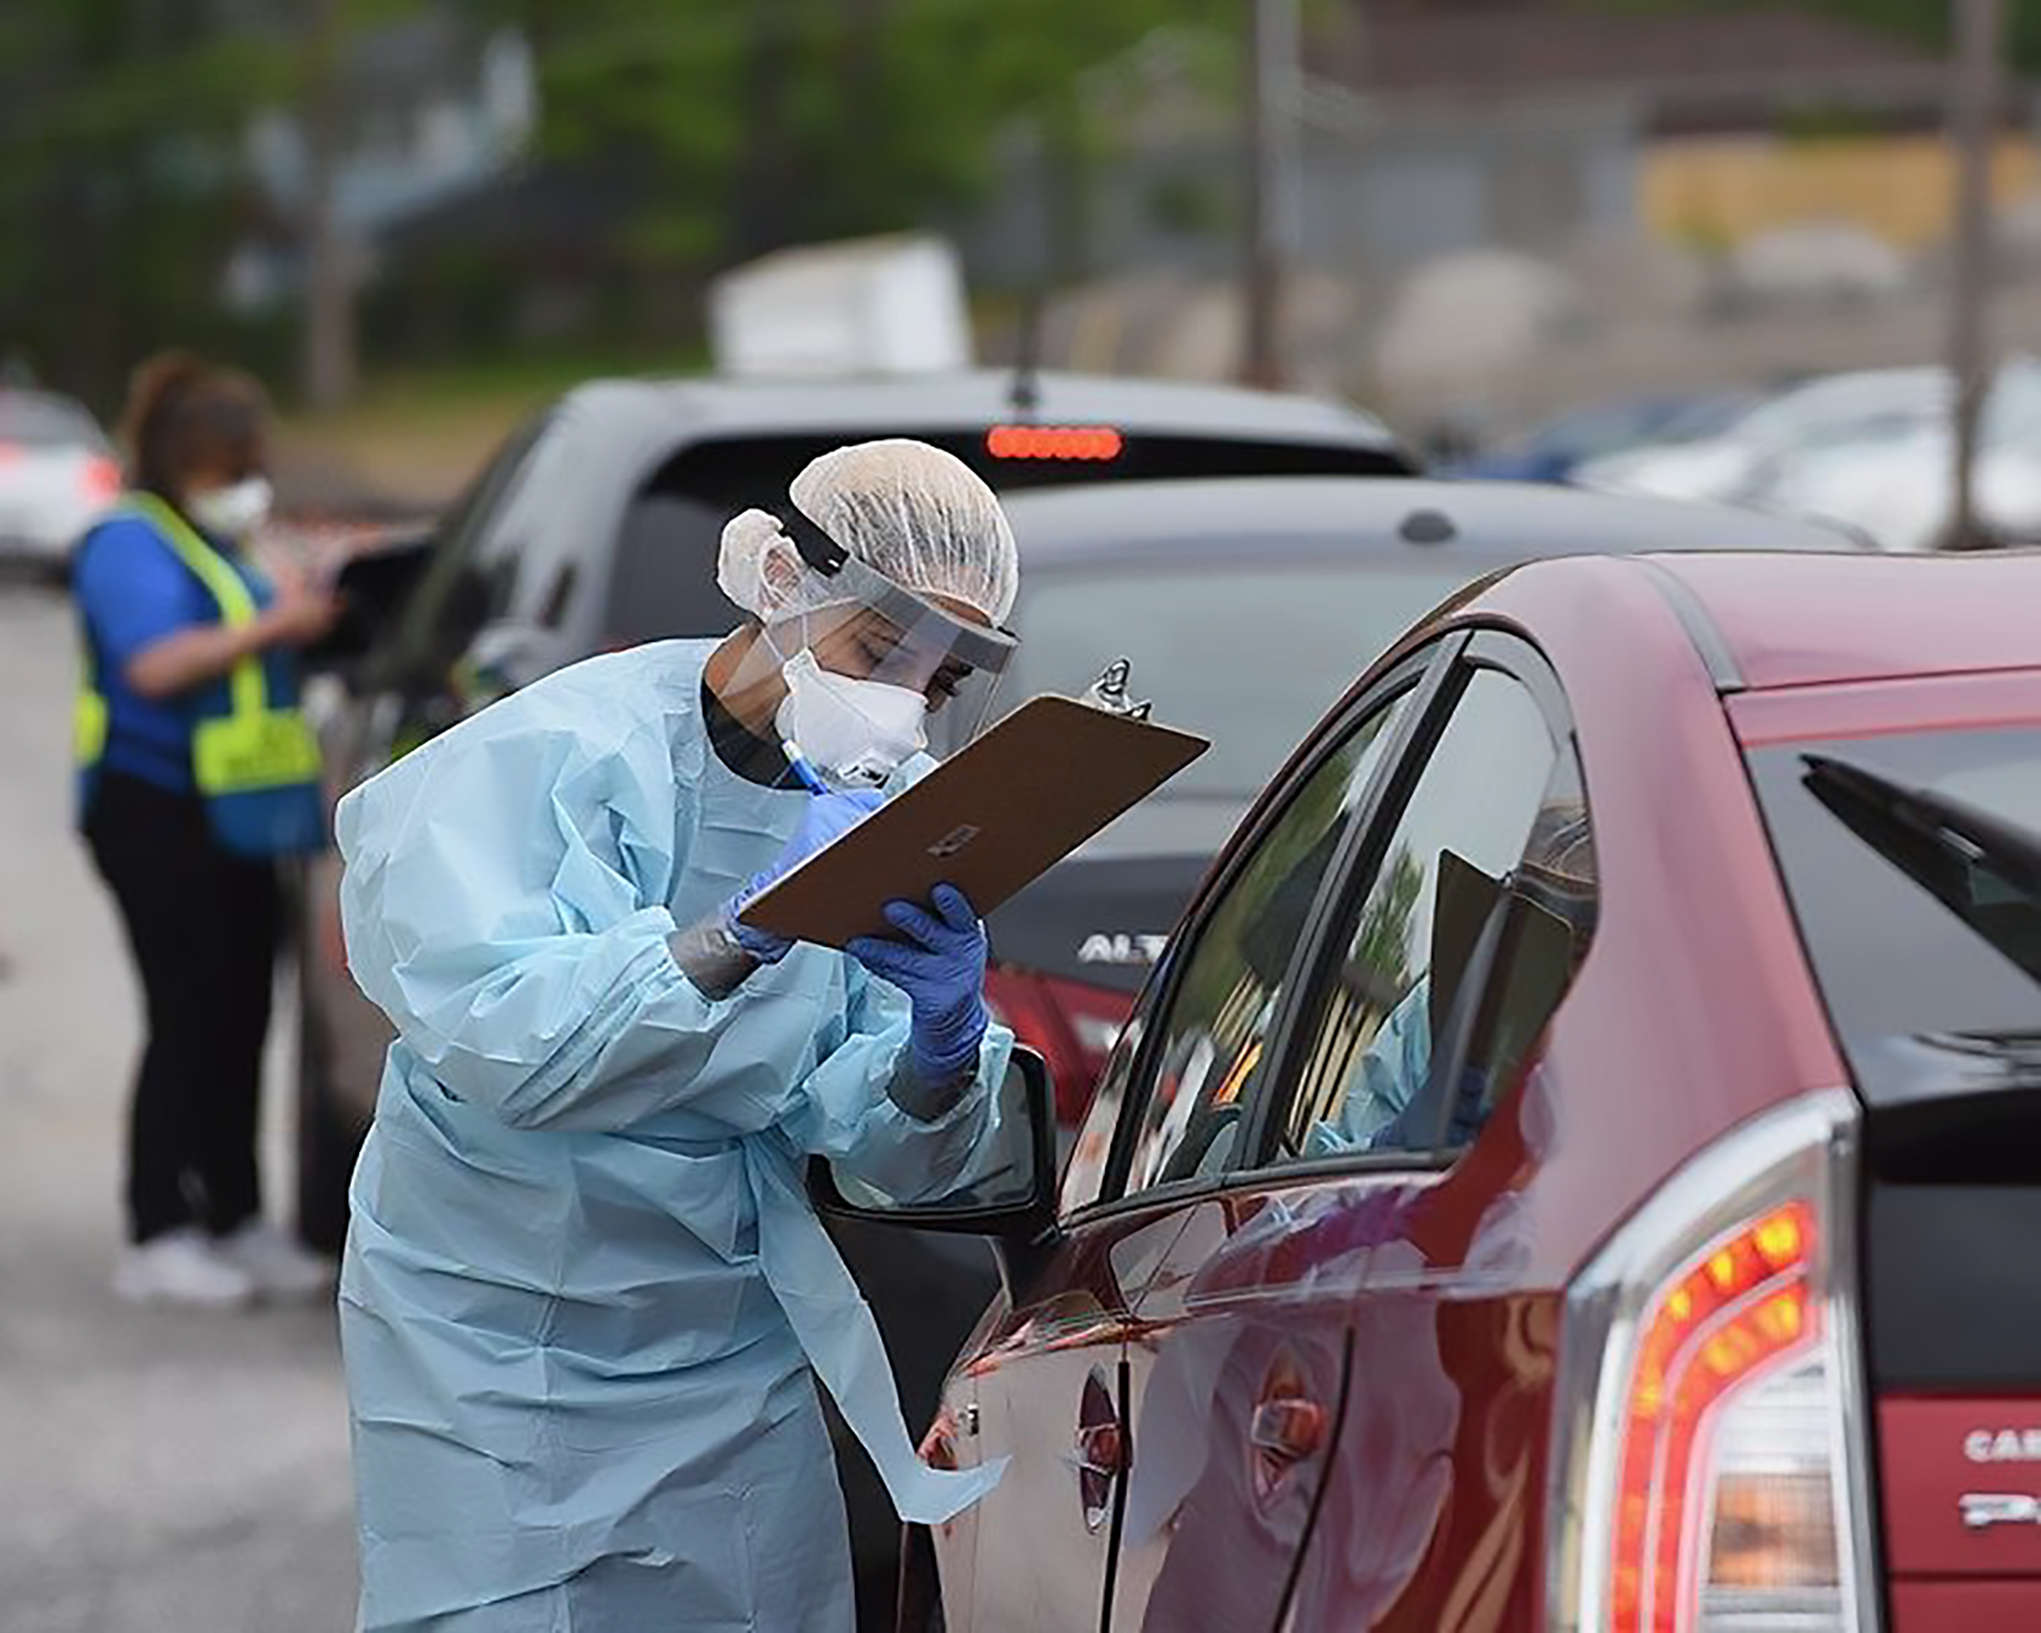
(727, 126)
(757, 122)
(120, 185)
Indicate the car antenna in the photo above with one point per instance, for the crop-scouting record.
(1024, 395)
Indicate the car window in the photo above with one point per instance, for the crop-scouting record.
(1912, 860)
(1172, 622)
(1203, 1074)
(1488, 870)
(454, 597)
(663, 582)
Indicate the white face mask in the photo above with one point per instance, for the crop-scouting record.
(856, 732)
(233, 512)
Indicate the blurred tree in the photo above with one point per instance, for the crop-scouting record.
(727, 126)
(121, 185)
(753, 123)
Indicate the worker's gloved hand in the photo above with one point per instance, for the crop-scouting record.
(939, 962)
(828, 817)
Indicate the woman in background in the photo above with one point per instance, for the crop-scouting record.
(196, 775)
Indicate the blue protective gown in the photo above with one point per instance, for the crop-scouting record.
(584, 1289)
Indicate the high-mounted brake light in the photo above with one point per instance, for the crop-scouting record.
(1710, 1473)
(1093, 442)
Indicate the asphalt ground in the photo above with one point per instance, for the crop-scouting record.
(159, 1470)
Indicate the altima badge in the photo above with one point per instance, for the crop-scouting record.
(1984, 1509)
(1100, 948)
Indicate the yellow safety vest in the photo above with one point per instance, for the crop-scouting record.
(252, 747)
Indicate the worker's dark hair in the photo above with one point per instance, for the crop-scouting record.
(185, 414)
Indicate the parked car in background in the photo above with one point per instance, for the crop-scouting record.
(596, 526)
(1572, 1165)
(1898, 488)
(57, 473)
(1776, 432)
(1551, 452)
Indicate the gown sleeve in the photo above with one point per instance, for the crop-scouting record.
(518, 940)
(847, 1114)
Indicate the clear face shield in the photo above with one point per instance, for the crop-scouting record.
(880, 675)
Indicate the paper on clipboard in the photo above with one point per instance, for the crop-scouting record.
(990, 819)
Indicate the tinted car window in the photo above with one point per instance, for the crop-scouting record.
(1914, 865)
(1250, 652)
(1204, 1072)
(664, 580)
(453, 600)
(1407, 986)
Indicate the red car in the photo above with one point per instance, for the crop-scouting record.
(1577, 1164)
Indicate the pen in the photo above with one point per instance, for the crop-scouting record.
(808, 777)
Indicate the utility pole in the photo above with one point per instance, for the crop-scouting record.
(1974, 124)
(329, 360)
(1271, 213)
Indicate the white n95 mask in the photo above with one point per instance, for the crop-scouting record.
(233, 512)
(856, 732)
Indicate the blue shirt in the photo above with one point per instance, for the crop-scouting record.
(133, 590)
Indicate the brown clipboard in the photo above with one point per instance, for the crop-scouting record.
(990, 819)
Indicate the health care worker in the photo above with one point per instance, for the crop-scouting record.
(196, 775)
(584, 1290)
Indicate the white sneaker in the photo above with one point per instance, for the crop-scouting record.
(182, 1266)
(274, 1261)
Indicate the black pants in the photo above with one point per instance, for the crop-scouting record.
(203, 925)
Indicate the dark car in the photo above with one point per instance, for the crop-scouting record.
(1574, 1166)
(1242, 604)
(596, 526)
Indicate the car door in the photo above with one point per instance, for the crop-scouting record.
(1049, 1384)
(1307, 1359)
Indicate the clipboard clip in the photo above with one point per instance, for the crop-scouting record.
(1109, 692)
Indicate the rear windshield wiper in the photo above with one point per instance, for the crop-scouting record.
(1975, 863)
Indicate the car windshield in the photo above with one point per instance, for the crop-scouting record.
(1914, 863)
(34, 420)
(1249, 655)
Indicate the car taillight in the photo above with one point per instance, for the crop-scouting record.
(1073, 1025)
(9, 452)
(1710, 1469)
(1092, 442)
(101, 480)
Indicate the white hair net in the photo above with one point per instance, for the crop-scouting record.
(918, 515)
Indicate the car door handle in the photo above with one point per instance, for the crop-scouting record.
(1287, 1429)
(1101, 1451)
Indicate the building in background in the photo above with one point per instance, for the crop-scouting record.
(1501, 205)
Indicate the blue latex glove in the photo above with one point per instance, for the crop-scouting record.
(828, 817)
(940, 965)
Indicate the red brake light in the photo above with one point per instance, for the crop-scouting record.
(1736, 1315)
(9, 452)
(1092, 442)
(1073, 1025)
(101, 479)
(1718, 1476)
